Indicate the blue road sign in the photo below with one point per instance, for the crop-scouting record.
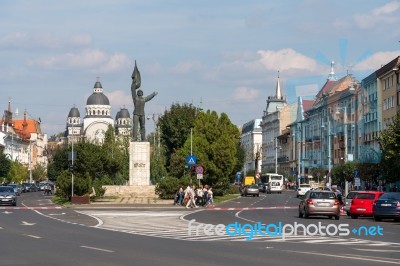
(191, 160)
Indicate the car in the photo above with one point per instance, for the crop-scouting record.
(347, 201)
(361, 204)
(251, 190)
(302, 189)
(387, 207)
(17, 189)
(319, 203)
(7, 195)
(262, 187)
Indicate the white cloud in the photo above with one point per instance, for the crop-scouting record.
(18, 40)
(187, 67)
(377, 60)
(286, 59)
(93, 59)
(386, 14)
(245, 94)
(80, 39)
(119, 99)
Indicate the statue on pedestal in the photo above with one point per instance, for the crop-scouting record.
(139, 101)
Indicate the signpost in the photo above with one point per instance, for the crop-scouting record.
(199, 172)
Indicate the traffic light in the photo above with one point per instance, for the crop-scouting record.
(71, 168)
(192, 170)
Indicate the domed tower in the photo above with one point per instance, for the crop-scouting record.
(74, 125)
(97, 115)
(123, 124)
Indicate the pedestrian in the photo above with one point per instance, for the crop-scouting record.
(191, 202)
(179, 196)
(210, 197)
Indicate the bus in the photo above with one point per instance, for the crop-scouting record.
(275, 182)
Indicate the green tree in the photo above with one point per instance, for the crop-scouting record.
(344, 172)
(215, 143)
(39, 173)
(389, 141)
(5, 165)
(175, 126)
(18, 173)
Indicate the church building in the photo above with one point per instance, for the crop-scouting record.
(93, 126)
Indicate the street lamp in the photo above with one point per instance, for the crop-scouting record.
(338, 110)
(329, 150)
(276, 154)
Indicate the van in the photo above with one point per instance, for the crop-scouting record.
(249, 180)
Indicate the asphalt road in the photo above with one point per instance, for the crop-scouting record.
(38, 232)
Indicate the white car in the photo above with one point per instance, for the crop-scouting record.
(302, 189)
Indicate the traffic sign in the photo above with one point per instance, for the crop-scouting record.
(199, 176)
(191, 160)
(199, 170)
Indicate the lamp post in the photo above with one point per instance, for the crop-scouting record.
(329, 133)
(72, 163)
(276, 154)
(30, 161)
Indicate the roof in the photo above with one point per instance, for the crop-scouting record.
(74, 112)
(388, 67)
(97, 99)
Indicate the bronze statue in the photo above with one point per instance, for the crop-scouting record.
(139, 101)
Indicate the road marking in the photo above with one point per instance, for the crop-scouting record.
(7, 212)
(37, 237)
(376, 250)
(63, 213)
(32, 208)
(26, 223)
(350, 257)
(99, 249)
(253, 208)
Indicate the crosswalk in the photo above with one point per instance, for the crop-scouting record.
(173, 225)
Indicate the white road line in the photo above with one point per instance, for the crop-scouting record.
(99, 249)
(376, 250)
(350, 257)
(37, 237)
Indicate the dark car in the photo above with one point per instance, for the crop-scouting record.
(387, 206)
(261, 187)
(7, 195)
(319, 202)
(17, 188)
(251, 190)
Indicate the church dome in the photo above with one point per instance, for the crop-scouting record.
(74, 112)
(124, 113)
(97, 99)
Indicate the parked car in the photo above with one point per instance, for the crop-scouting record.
(251, 190)
(361, 204)
(348, 200)
(17, 188)
(319, 202)
(7, 195)
(302, 189)
(387, 207)
(262, 187)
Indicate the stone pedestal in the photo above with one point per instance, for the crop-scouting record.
(139, 163)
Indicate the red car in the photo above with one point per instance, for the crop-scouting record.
(362, 203)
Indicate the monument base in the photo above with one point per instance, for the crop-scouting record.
(131, 191)
(139, 163)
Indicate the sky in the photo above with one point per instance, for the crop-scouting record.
(219, 55)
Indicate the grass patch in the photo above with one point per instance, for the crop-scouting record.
(224, 198)
(60, 201)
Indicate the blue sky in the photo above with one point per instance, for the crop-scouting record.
(222, 55)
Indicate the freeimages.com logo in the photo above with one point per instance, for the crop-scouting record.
(280, 230)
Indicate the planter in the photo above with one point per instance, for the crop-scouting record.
(80, 199)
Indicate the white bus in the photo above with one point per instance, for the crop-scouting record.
(275, 183)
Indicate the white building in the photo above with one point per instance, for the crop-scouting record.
(97, 119)
(251, 141)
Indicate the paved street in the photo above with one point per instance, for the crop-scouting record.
(135, 230)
